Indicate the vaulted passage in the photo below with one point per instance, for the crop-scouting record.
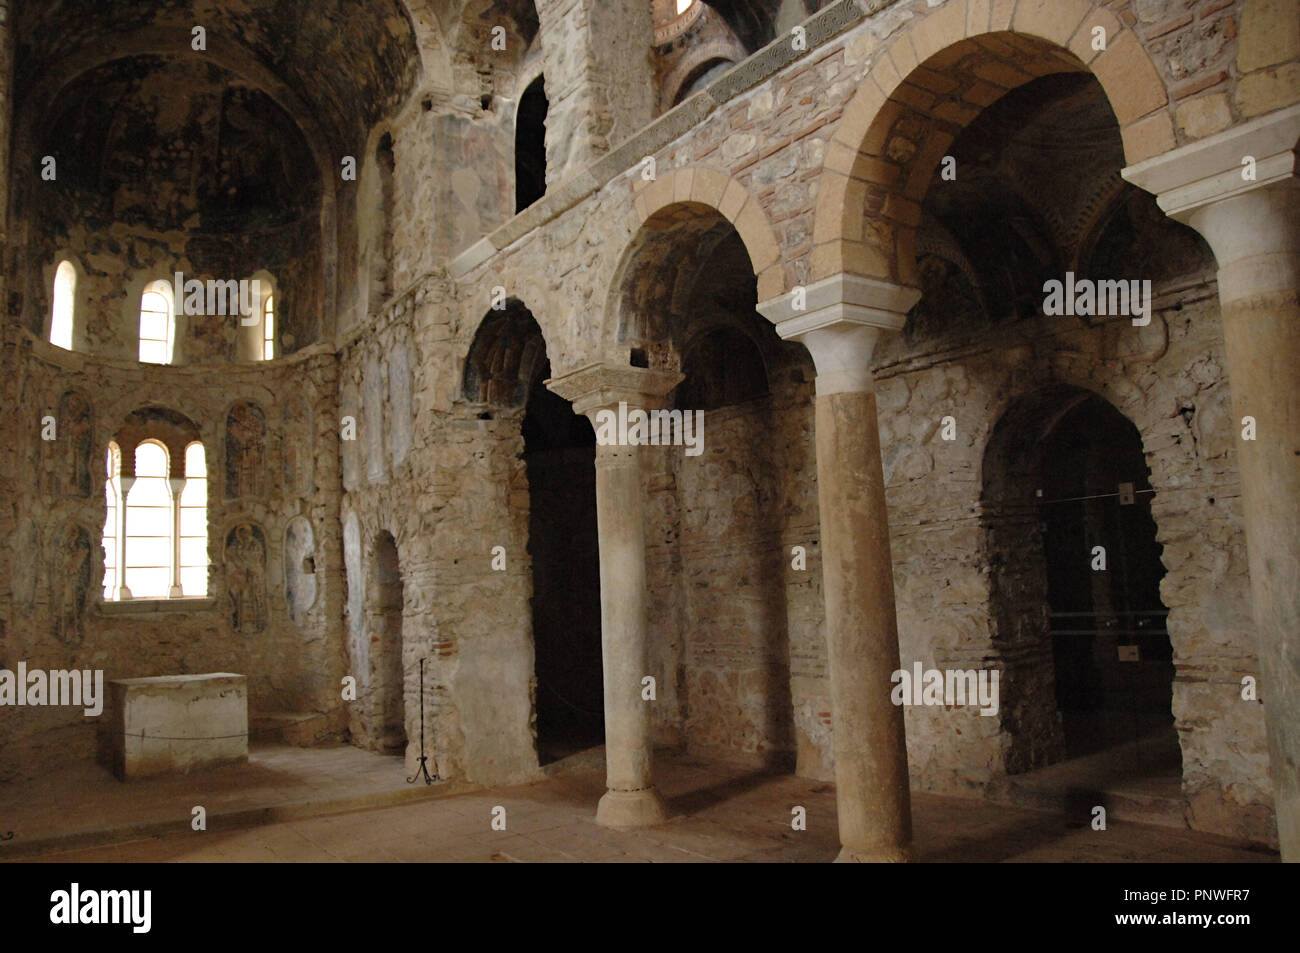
(505, 373)
(560, 450)
(731, 632)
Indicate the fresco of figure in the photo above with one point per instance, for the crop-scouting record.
(245, 451)
(246, 578)
(69, 582)
(296, 447)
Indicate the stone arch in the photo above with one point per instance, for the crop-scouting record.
(711, 59)
(481, 72)
(429, 32)
(173, 429)
(928, 84)
(684, 298)
(724, 365)
(503, 358)
(697, 191)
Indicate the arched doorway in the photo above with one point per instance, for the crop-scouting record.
(1111, 651)
(1075, 589)
(389, 678)
(560, 453)
(505, 372)
(724, 610)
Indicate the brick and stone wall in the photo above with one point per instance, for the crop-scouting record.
(820, 160)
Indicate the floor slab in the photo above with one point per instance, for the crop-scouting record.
(720, 813)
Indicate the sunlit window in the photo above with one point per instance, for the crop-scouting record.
(149, 525)
(65, 291)
(683, 6)
(194, 523)
(268, 328)
(112, 495)
(157, 323)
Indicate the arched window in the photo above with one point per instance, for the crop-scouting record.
(194, 523)
(64, 302)
(530, 145)
(268, 328)
(156, 525)
(255, 340)
(112, 510)
(683, 6)
(157, 323)
(149, 525)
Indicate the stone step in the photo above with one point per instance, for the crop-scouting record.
(1133, 782)
(1124, 805)
(302, 729)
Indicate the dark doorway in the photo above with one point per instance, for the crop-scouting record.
(560, 454)
(1111, 651)
(530, 145)
(388, 620)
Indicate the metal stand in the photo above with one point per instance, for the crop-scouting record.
(424, 762)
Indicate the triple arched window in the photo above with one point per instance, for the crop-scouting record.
(157, 324)
(156, 529)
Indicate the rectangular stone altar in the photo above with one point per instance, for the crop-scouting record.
(173, 724)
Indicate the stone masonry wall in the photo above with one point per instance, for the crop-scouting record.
(293, 664)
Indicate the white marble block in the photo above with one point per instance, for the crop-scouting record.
(173, 724)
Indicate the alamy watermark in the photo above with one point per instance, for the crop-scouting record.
(1088, 298)
(654, 428)
(78, 906)
(76, 688)
(223, 298)
(949, 687)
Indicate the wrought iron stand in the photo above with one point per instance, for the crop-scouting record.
(424, 761)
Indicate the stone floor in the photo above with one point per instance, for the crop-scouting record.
(84, 804)
(719, 813)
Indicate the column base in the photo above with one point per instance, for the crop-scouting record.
(643, 808)
(883, 855)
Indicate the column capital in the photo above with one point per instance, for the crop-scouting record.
(840, 320)
(1251, 224)
(600, 386)
(1208, 170)
(840, 299)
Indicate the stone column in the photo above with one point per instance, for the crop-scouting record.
(1239, 190)
(844, 316)
(125, 481)
(177, 485)
(631, 799)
